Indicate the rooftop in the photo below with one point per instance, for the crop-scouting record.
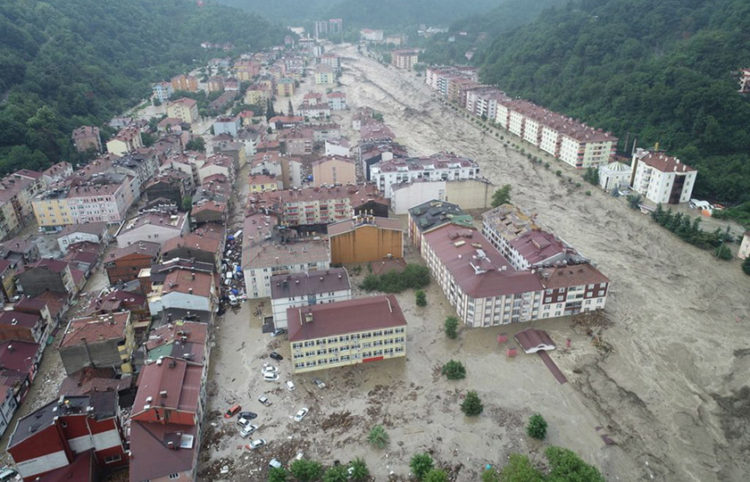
(662, 162)
(188, 282)
(183, 339)
(169, 221)
(97, 328)
(352, 316)
(149, 446)
(432, 214)
(304, 284)
(571, 275)
(19, 318)
(536, 246)
(436, 161)
(170, 383)
(357, 222)
(509, 221)
(146, 248)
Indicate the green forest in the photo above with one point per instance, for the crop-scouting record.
(64, 63)
(660, 72)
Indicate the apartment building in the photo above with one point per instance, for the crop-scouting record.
(127, 140)
(336, 101)
(331, 170)
(483, 101)
(184, 109)
(660, 178)
(184, 289)
(304, 289)
(152, 226)
(162, 91)
(468, 193)
(504, 224)
(345, 333)
(324, 75)
(99, 341)
(437, 167)
(183, 82)
(431, 215)
(405, 59)
(365, 238)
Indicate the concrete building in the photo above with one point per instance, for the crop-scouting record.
(127, 140)
(47, 275)
(614, 175)
(124, 264)
(467, 193)
(324, 75)
(153, 226)
(504, 224)
(285, 87)
(184, 109)
(262, 183)
(660, 178)
(438, 167)
(106, 199)
(99, 341)
(87, 138)
(268, 250)
(345, 333)
(205, 245)
(227, 125)
(21, 326)
(305, 289)
(433, 214)
(337, 147)
(365, 238)
(162, 91)
(332, 170)
(185, 290)
(336, 101)
(183, 82)
(405, 58)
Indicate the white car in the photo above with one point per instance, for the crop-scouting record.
(257, 443)
(264, 400)
(270, 377)
(301, 414)
(245, 427)
(289, 385)
(319, 383)
(270, 369)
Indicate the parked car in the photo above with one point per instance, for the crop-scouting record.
(276, 356)
(270, 369)
(270, 377)
(264, 400)
(301, 414)
(232, 411)
(275, 464)
(245, 427)
(319, 383)
(290, 385)
(248, 415)
(6, 473)
(279, 331)
(256, 443)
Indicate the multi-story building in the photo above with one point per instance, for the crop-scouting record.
(227, 125)
(433, 214)
(331, 60)
(183, 82)
(325, 75)
(127, 140)
(371, 35)
(440, 78)
(124, 264)
(162, 91)
(661, 178)
(152, 226)
(263, 183)
(78, 233)
(304, 289)
(332, 170)
(321, 205)
(73, 437)
(745, 81)
(184, 289)
(505, 223)
(405, 58)
(99, 341)
(205, 245)
(47, 274)
(441, 166)
(297, 141)
(140, 167)
(468, 193)
(365, 238)
(184, 109)
(285, 87)
(22, 326)
(336, 101)
(331, 335)
(268, 250)
(482, 101)
(86, 138)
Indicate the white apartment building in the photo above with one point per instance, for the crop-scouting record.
(441, 166)
(660, 178)
(305, 289)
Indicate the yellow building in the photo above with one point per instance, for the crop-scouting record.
(52, 209)
(262, 183)
(285, 87)
(8, 219)
(256, 95)
(184, 109)
(331, 170)
(345, 333)
(365, 238)
(325, 75)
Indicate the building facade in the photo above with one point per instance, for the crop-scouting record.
(438, 167)
(305, 289)
(365, 238)
(660, 178)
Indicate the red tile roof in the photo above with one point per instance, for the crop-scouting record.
(183, 280)
(352, 316)
(18, 318)
(150, 456)
(191, 241)
(536, 246)
(180, 379)
(18, 355)
(96, 328)
(664, 163)
(573, 275)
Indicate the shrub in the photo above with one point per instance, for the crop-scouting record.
(537, 427)
(558, 173)
(472, 405)
(723, 252)
(421, 298)
(451, 324)
(337, 473)
(546, 165)
(519, 468)
(436, 475)
(565, 464)
(591, 175)
(420, 465)
(501, 196)
(378, 437)
(588, 193)
(746, 266)
(634, 201)
(360, 472)
(277, 474)
(490, 475)
(306, 470)
(414, 276)
(454, 370)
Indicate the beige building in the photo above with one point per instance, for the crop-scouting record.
(467, 193)
(184, 109)
(744, 251)
(405, 59)
(365, 238)
(345, 333)
(127, 140)
(331, 170)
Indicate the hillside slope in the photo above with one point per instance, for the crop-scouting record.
(657, 71)
(69, 62)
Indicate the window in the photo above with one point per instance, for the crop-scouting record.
(112, 459)
(174, 476)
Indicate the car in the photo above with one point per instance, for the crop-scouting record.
(264, 400)
(246, 428)
(290, 385)
(6, 473)
(270, 377)
(319, 383)
(275, 464)
(256, 443)
(279, 331)
(270, 369)
(232, 411)
(248, 415)
(301, 414)
(276, 356)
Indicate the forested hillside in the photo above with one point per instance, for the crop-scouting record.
(478, 31)
(659, 71)
(287, 11)
(64, 63)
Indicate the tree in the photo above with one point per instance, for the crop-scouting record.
(359, 469)
(501, 196)
(270, 112)
(723, 252)
(337, 473)
(472, 405)
(566, 465)
(378, 437)
(519, 469)
(454, 370)
(490, 475)
(306, 470)
(436, 475)
(290, 108)
(537, 427)
(277, 474)
(420, 465)
(591, 176)
(634, 201)
(187, 203)
(196, 144)
(451, 324)
(421, 298)
(746, 266)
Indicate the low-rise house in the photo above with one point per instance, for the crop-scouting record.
(155, 226)
(124, 264)
(184, 289)
(365, 238)
(661, 178)
(17, 325)
(82, 257)
(204, 248)
(77, 233)
(304, 289)
(50, 306)
(127, 140)
(331, 170)
(99, 341)
(361, 330)
(87, 138)
(20, 359)
(433, 214)
(208, 211)
(186, 340)
(84, 433)
(47, 275)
